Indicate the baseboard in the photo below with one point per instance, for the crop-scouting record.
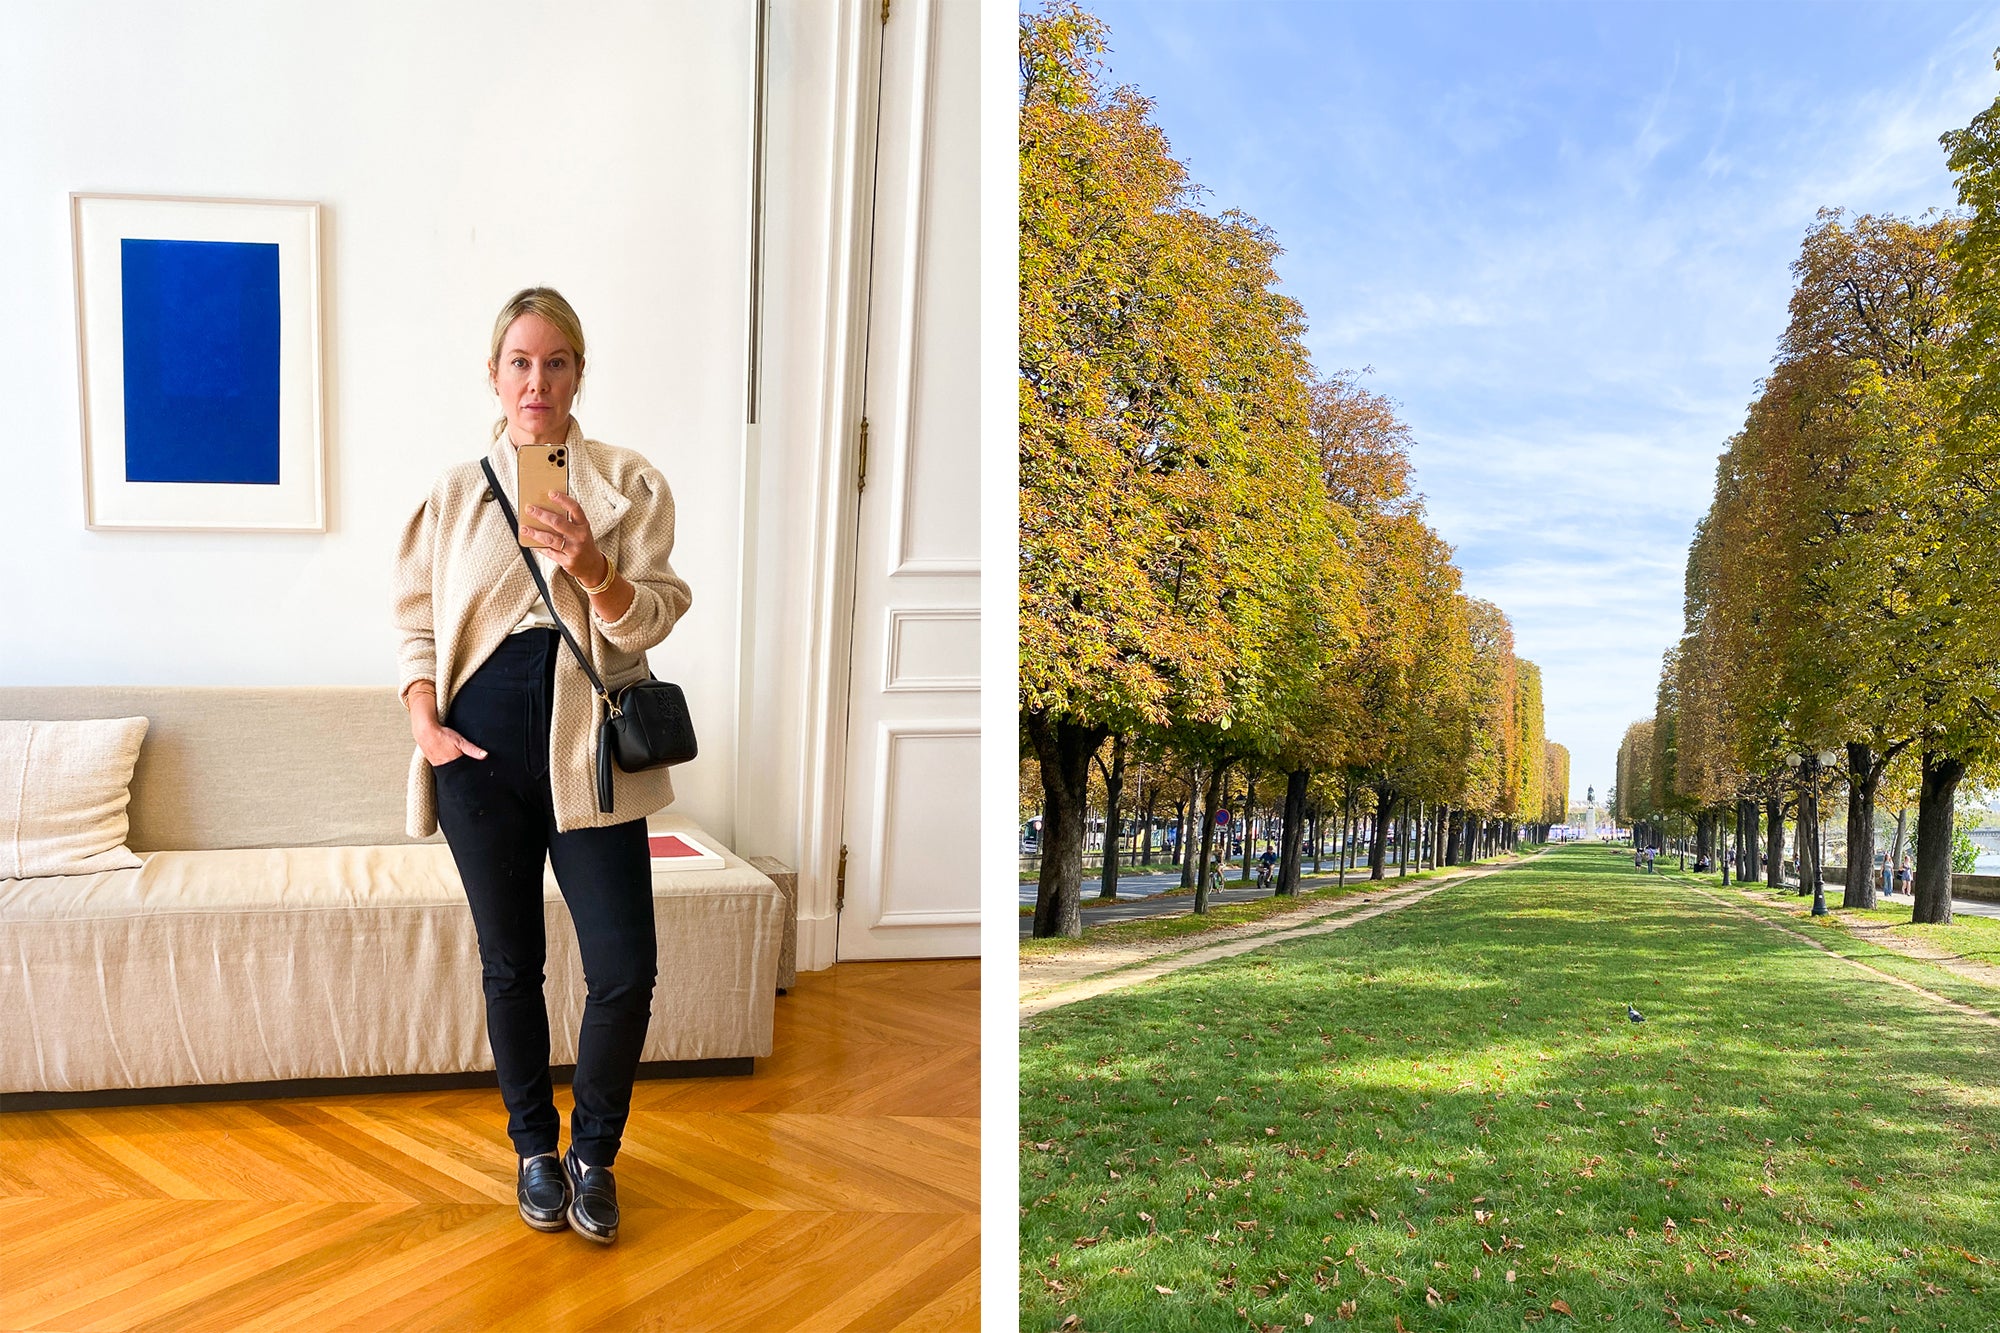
(816, 941)
(724, 1067)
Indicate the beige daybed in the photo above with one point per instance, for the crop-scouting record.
(283, 928)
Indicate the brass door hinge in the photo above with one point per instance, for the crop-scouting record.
(861, 482)
(840, 881)
(885, 11)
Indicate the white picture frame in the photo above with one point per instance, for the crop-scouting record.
(252, 386)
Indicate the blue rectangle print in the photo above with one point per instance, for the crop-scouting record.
(201, 361)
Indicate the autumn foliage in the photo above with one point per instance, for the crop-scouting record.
(1841, 590)
(1221, 557)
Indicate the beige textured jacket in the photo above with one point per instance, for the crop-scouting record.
(460, 587)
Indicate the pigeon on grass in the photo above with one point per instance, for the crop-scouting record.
(1634, 1014)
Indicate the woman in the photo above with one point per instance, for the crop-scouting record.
(505, 724)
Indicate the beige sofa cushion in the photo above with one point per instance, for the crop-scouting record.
(337, 962)
(64, 789)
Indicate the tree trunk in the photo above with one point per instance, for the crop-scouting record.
(1378, 846)
(1114, 788)
(1346, 832)
(1064, 749)
(1896, 846)
(1294, 832)
(1146, 821)
(1934, 823)
(1774, 841)
(1249, 826)
(1188, 829)
(1402, 827)
(1864, 772)
(1748, 864)
(1318, 833)
(1205, 871)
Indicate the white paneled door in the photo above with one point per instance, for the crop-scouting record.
(911, 886)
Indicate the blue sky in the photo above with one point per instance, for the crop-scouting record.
(1561, 236)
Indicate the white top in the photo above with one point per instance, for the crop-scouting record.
(538, 616)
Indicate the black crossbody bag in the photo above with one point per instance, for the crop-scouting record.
(646, 724)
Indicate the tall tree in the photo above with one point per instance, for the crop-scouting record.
(1173, 537)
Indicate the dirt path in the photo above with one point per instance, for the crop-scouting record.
(1884, 934)
(1084, 974)
(1957, 1006)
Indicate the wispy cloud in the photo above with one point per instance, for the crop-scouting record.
(1561, 236)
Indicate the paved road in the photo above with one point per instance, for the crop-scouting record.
(1959, 906)
(1148, 896)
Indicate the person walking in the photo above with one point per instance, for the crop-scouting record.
(505, 721)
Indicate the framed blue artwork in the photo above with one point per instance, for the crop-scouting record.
(198, 340)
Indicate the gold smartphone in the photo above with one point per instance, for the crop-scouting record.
(538, 470)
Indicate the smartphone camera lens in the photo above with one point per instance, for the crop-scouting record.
(555, 458)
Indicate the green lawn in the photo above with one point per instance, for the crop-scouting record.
(1444, 1117)
(1314, 892)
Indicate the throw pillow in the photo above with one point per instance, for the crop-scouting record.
(64, 788)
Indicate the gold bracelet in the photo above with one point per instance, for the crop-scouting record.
(610, 577)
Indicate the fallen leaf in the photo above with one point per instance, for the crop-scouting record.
(1164, 1291)
(1085, 1242)
(1561, 1307)
(1246, 1226)
(1074, 1321)
(1346, 1310)
(1431, 1297)
(1510, 1275)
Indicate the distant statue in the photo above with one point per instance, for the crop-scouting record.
(1590, 796)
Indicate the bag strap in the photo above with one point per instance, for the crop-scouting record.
(535, 569)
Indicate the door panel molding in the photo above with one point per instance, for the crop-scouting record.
(901, 647)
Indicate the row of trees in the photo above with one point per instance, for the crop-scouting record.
(1842, 590)
(1222, 563)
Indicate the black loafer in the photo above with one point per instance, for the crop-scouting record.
(593, 1208)
(542, 1190)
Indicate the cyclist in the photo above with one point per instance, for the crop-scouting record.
(1266, 866)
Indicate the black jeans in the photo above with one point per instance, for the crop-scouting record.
(499, 818)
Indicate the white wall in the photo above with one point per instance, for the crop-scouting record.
(461, 151)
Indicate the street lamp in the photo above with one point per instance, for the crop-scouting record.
(1813, 765)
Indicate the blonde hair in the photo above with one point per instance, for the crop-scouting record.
(550, 305)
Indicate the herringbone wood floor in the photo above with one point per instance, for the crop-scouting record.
(837, 1188)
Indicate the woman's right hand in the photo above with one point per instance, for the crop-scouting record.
(439, 743)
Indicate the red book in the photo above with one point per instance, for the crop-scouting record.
(681, 851)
